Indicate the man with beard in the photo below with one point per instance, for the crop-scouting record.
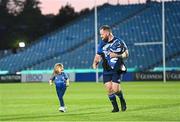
(112, 51)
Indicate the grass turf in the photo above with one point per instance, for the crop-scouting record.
(146, 101)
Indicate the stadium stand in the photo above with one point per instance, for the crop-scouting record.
(73, 45)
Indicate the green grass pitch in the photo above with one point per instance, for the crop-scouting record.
(146, 101)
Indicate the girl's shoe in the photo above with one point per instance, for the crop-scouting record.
(62, 109)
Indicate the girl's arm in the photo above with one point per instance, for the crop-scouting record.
(67, 82)
(50, 82)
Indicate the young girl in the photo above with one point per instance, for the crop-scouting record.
(61, 81)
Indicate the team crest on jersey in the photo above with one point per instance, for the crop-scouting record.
(63, 78)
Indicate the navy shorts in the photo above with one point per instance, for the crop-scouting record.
(114, 77)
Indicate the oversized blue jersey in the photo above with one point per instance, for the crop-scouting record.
(116, 45)
(60, 78)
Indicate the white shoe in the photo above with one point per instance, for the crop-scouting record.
(62, 109)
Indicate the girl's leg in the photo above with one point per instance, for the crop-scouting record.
(60, 89)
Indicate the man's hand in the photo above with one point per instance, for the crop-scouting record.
(113, 55)
(94, 65)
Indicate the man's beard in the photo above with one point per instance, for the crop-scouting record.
(105, 39)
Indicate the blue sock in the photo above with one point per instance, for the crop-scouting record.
(112, 98)
(120, 95)
(122, 100)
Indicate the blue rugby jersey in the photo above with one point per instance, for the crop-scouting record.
(60, 78)
(104, 48)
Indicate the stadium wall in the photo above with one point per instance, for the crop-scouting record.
(157, 76)
(89, 76)
(10, 78)
(41, 77)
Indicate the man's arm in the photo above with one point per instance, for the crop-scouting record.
(124, 55)
(96, 61)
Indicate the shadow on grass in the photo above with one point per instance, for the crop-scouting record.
(77, 112)
(81, 112)
(155, 107)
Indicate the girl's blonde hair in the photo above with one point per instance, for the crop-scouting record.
(55, 68)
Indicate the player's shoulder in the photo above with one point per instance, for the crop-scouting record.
(65, 74)
(118, 39)
(102, 42)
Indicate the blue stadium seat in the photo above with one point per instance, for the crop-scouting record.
(73, 45)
